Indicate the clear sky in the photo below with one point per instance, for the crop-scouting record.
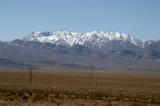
(140, 18)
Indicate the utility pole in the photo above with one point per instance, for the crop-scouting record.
(31, 74)
(92, 76)
(91, 72)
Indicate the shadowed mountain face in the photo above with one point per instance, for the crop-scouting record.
(153, 50)
(103, 50)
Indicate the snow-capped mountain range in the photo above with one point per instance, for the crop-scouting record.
(97, 38)
(103, 50)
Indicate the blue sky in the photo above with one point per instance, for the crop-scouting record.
(140, 18)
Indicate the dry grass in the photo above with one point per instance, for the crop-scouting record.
(79, 89)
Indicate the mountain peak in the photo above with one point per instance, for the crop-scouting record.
(75, 38)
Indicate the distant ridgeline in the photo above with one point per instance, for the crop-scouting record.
(102, 50)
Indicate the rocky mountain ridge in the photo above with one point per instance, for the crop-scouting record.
(103, 50)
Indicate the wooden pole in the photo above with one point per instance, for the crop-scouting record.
(30, 76)
(91, 72)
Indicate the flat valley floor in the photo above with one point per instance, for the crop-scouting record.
(81, 88)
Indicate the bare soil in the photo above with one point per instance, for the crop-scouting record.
(69, 88)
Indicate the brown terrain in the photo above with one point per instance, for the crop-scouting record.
(85, 88)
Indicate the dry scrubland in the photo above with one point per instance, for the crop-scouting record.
(79, 89)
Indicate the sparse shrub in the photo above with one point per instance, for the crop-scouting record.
(25, 98)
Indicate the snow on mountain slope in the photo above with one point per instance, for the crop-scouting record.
(71, 38)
